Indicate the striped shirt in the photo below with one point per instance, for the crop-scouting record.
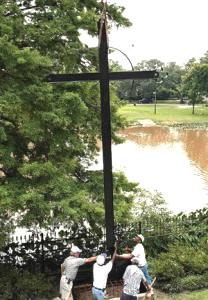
(132, 280)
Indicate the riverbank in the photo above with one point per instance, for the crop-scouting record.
(166, 114)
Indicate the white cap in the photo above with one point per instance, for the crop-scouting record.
(141, 237)
(135, 261)
(75, 249)
(100, 260)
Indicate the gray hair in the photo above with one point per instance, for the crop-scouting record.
(135, 261)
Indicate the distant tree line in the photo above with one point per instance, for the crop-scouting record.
(175, 82)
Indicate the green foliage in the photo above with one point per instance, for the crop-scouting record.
(193, 226)
(195, 80)
(170, 87)
(49, 133)
(149, 212)
(23, 285)
(180, 264)
(187, 251)
(188, 283)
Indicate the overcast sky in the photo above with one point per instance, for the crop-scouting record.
(169, 30)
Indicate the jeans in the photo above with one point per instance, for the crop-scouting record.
(97, 294)
(127, 297)
(144, 269)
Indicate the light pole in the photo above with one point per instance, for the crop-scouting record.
(155, 102)
(157, 83)
(155, 93)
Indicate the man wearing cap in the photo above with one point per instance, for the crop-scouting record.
(132, 279)
(139, 253)
(100, 275)
(69, 270)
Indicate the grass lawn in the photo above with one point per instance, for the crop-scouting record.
(165, 113)
(195, 295)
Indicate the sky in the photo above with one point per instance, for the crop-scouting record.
(168, 30)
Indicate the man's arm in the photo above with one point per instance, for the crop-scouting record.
(148, 286)
(125, 256)
(62, 269)
(114, 253)
(90, 259)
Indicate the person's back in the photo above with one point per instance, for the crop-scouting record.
(132, 279)
(100, 276)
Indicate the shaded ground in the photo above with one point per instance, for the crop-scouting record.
(196, 295)
(114, 292)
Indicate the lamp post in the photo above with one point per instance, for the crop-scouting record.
(155, 102)
(155, 92)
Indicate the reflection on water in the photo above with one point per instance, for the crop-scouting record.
(171, 161)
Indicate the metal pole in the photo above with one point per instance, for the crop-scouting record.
(140, 227)
(106, 135)
(155, 102)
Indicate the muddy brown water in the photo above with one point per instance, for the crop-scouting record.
(169, 160)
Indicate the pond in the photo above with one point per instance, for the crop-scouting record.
(169, 160)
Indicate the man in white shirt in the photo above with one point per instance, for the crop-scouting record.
(139, 253)
(69, 270)
(100, 276)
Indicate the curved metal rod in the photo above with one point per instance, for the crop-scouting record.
(124, 55)
(132, 67)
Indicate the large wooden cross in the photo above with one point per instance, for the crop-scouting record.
(104, 76)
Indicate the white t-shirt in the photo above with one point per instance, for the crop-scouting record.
(100, 274)
(139, 253)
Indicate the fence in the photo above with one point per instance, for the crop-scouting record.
(44, 252)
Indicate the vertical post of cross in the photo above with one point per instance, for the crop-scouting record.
(106, 133)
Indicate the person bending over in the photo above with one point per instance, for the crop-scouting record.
(132, 279)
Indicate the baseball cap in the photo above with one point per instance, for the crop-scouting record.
(75, 249)
(141, 237)
(100, 260)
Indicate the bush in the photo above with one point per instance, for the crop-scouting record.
(167, 269)
(180, 261)
(182, 267)
(191, 283)
(23, 285)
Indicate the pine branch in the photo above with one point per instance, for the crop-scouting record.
(10, 14)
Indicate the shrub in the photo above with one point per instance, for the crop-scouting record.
(181, 266)
(192, 282)
(24, 285)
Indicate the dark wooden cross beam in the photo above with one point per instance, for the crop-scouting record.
(104, 76)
